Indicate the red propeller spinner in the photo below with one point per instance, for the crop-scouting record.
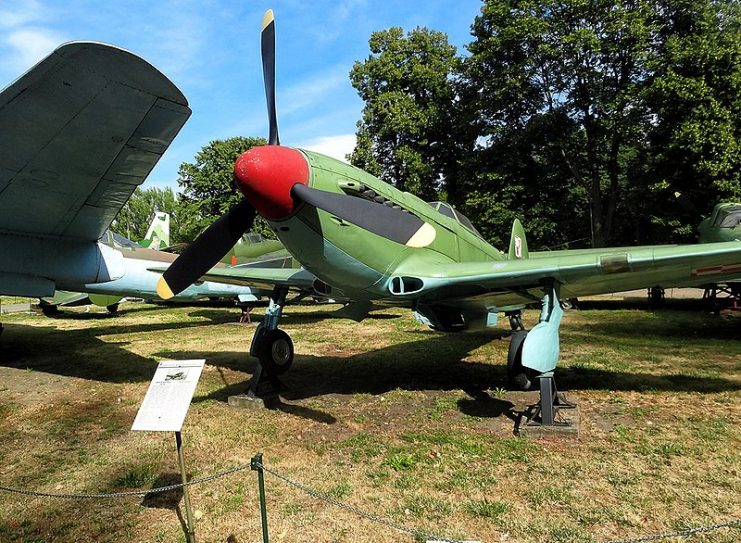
(266, 174)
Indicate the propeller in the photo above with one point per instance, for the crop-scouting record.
(267, 50)
(218, 239)
(274, 180)
(210, 247)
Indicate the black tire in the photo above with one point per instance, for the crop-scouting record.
(275, 352)
(112, 309)
(520, 376)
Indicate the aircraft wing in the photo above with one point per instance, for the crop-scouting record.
(80, 131)
(263, 278)
(585, 273)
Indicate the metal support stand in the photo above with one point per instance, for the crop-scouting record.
(191, 529)
(264, 385)
(245, 318)
(551, 401)
(256, 465)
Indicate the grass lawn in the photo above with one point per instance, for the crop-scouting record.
(385, 415)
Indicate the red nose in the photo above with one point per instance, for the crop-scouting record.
(265, 176)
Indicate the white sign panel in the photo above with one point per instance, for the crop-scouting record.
(169, 395)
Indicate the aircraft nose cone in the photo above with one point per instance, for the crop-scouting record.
(265, 176)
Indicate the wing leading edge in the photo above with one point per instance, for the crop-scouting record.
(81, 130)
(583, 274)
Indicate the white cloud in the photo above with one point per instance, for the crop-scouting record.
(28, 46)
(18, 13)
(310, 91)
(334, 146)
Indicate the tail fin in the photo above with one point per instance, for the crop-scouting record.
(158, 235)
(518, 242)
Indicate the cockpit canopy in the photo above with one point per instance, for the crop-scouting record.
(728, 217)
(446, 209)
(117, 241)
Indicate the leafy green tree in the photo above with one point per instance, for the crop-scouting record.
(404, 132)
(582, 117)
(208, 188)
(558, 83)
(695, 99)
(136, 215)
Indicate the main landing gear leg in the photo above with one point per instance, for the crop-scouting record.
(273, 349)
(533, 357)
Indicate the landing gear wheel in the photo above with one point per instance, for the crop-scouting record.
(112, 309)
(275, 352)
(523, 378)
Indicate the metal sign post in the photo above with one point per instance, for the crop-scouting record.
(163, 410)
(186, 496)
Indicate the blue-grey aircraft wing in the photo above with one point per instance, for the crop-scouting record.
(79, 132)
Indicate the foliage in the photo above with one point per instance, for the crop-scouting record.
(208, 189)
(695, 144)
(558, 84)
(136, 215)
(409, 101)
(582, 118)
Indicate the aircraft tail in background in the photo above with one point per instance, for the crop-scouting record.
(517, 242)
(158, 235)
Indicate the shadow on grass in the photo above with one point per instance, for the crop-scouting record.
(73, 353)
(437, 363)
(169, 499)
(432, 362)
(680, 304)
(671, 325)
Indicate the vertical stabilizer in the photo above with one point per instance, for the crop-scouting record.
(517, 242)
(158, 235)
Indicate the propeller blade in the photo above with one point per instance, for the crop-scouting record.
(390, 223)
(268, 72)
(206, 250)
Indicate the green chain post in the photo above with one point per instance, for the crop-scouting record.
(256, 465)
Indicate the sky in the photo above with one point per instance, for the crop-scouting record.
(211, 50)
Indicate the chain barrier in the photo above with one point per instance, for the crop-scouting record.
(129, 493)
(325, 498)
(682, 533)
(359, 512)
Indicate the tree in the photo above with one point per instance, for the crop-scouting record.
(609, 108)
(574, 70)
(136, 215)
(403, 136)
(208, 189)
(695, 97)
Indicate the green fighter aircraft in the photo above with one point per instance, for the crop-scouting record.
(378, 244)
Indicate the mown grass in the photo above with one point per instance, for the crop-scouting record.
(384, 415)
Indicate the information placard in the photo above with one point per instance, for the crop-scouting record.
(168, 397)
